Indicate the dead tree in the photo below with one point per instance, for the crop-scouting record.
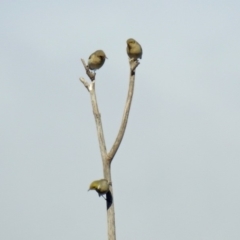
(107, 157)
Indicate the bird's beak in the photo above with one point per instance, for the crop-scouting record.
(106, 57)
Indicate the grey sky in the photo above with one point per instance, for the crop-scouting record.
(176, 174)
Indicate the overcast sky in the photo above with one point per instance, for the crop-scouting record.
(176, 174)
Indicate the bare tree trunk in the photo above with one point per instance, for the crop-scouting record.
(108, 157)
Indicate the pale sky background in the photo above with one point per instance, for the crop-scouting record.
(176, 174)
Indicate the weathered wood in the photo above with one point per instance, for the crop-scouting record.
(108, 157)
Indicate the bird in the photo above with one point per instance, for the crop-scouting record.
(134, 49)
(96, 60)
(100, 186)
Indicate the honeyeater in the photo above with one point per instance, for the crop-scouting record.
(96, 60)
(134, 49)
(101, 186)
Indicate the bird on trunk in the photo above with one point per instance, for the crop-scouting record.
(100, 186)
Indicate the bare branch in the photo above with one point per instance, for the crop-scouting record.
(111, 154)
(98, 121)
(85, 83)
(107, 158)
(106, 164)
(90, 74)
(133, 64)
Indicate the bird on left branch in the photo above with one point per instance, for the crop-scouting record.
(96, 60)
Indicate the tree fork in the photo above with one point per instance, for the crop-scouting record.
(108, 157)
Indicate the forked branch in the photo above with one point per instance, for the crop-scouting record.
(111, 154)
(107, 158)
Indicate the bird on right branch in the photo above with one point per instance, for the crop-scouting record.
(134, 49)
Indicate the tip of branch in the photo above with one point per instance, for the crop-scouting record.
(85, 83)
(133, 64)
(90, 74)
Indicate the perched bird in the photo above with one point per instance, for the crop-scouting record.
(96, 60)
(134, 49)
(101, 186)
